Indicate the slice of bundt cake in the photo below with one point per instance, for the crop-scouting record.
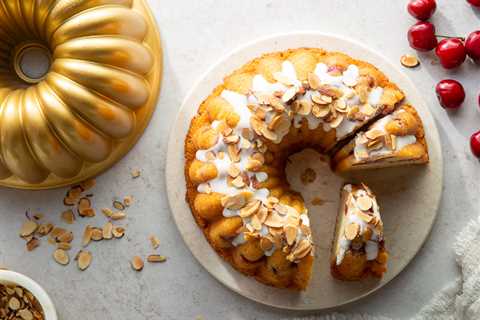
(358, 246)
(396, 139)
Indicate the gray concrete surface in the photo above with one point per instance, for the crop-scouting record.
(195, 34)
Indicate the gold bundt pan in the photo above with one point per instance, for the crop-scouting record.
(94, 102)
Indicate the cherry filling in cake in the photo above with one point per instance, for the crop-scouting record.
(238, 143)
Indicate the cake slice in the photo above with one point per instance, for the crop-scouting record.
(395, 139)
(358, 245)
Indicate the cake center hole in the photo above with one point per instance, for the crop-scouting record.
(33, 63)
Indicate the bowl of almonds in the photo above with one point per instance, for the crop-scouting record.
(22, 298)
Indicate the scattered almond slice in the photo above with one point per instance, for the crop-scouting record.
(409, 61)
(107, 212)
(107, 231)
(137, 263)
(118, 215)
(61, 257)
(364, 203)
(154, 241)
(64, 245)
(118, 232)
(351, 231)
(118, 205)
(84, 259)
(97, 234)
(32, 244)
(87, 236)
(85, 208)
(135, 173)
(65, 237)
(68, 216)
(153, 258)
(127, 201)
(28, 228)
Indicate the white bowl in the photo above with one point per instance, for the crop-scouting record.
(11, 277)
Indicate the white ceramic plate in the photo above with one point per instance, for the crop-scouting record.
(409, 196)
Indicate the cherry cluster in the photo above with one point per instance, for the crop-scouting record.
(451, 51)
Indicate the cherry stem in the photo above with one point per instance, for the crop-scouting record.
(449, 37)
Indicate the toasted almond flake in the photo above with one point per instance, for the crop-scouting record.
(32, 244)
(365, 217)
(156, 258)
(14, 303)
(269, 134)
(313, 81)
(61, 257)
(290, 234)
(266, 244)
(135, 173)
(321, 99)
(409, 61)
(97, 234)
(84, 207)
(302, 107)
(274, 220)
(337, 121)
(233, 152)
(107, 231)
(120, 215)
(68, 216)
(87, 236)
(118, 232)
(250, 209)
(64, 245)
(368, 110)
(320, 112)
(127, 201)
(330, 91)
(84, 259)
(231, 139)
(364, 203)
(394, 141)
(28, 228)
(118, 205)
(301, 250)
(374, 134)
(375, 144)
(25, 314)
(256, 223)
(235, 202)
(137, 263)
(351, 231)
(88, 184)
(107, 212)
(57, 232)
(340, 105)
(65, 237)
(233, 171)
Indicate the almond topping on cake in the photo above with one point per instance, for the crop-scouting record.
(351, 231)
(364, 203)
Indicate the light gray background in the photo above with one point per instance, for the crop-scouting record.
(196, 34)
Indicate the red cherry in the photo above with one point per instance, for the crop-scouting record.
(421, 36)
(475, 3)
(450, 93)
(451, 52)
(421, 9)
(473, 45)
(475, 144)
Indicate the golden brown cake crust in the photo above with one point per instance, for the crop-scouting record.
(295, 276)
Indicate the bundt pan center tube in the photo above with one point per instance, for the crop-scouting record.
(94, 86)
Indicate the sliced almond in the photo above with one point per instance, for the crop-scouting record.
(156, 258)
(368, 110)
(61, 257)
(235, 202)
(289, 94)
(394, 141)
(120, 215)
(85, 208)
(302, 107)
(280, 77)
(314, 81)
(351, 231)
(107, 231)
(154, 241)
(290, 234)
(14, 304)
(320, 112)
(238, 182)
(330, 91)
(44, 229)
(28, 228)
(118, 205)
(87, 236)
(84, 259)
(137, 263)
(107, 212)
(374, 134)
(57, 232)
(65, 237)
(409, 61)
(337, 121)
(269, 134)
(364, 203)
(118, 232)
(32, 244)
(274, 220)
(233, 171)
(135, 173)
(68, 216)
(233, 153)
(97, 234)
(64, 246)
(127, 201)
(250, 209)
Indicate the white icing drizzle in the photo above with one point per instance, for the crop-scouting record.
(371, 246)
(401, 141)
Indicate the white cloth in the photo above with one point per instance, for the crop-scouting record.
(458, 301)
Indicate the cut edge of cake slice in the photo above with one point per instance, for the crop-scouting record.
(395, 139)
(358, 247)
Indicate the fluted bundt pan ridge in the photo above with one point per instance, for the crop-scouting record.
(94, 100)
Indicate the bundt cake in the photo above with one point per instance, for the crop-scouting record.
(92, 102)
(238, 143)
(358, 246)
(395, 139)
